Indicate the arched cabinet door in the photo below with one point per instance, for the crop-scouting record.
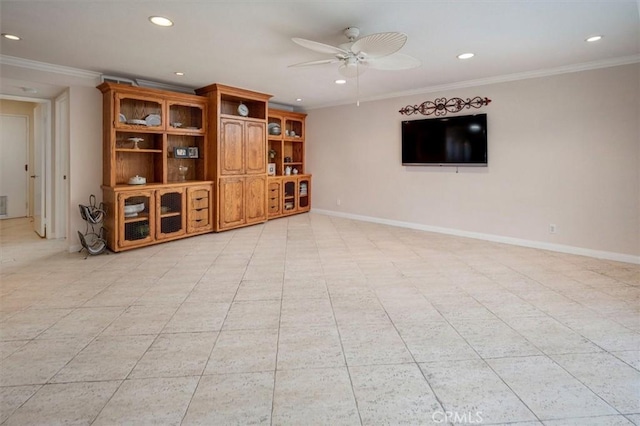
(232, 149)
(255, 148)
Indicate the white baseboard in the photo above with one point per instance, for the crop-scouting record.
(618, 257)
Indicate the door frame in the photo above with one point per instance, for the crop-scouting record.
(48, 158)
(60, 165)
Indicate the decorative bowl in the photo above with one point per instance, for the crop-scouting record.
(274, 129)
(132, 210)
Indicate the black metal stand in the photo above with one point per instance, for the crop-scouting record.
(92, 241)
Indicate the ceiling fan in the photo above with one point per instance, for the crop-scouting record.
(377, 51)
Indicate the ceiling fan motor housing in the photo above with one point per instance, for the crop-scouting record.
(352, 33)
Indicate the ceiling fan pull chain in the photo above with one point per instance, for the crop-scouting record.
(357, 85)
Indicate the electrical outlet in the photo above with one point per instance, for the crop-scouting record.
(552, 228)
(338, 202)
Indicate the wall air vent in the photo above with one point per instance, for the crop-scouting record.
(119, 80)
(164, 86)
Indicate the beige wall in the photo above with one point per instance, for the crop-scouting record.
(85, 155)
(23, 108)
(563, 150)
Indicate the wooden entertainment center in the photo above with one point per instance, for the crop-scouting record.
(177, 165)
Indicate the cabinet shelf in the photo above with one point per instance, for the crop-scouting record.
(140, 150)
(185, 132)
(138, 128)
(170, 214)
(141, 217)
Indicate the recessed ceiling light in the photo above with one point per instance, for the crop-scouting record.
(10, 36)
(594, 38)
(180, 73)
(466, 55)
(299, 100)
(161, 21)
(341, 81)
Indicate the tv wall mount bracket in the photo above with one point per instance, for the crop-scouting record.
(441, 106)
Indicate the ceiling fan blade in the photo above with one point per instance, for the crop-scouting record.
(379, 45)
(397, 61)
(319, 47)
(319, 62)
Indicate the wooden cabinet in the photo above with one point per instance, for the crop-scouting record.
(242, 201)
(255, 199)
(255, 148)
(204, 160)
(166, 213)
(160, 136)
(231, 199)
(132, 229)
(238, 160)
(199, 209)
(289, 195)
(286, 134)
(303, 193)
(286, 137)
(146, 130)
(170, 212)
(242, 147)
(274, 197)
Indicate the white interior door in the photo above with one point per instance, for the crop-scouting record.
(14, 141)
(38, 171)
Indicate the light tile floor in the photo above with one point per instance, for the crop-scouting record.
(314, 320)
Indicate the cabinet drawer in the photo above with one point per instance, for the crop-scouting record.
(197, 224)
(200, 202)
(198, 214)
(199, 193)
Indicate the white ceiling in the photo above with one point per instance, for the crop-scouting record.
(248, 43)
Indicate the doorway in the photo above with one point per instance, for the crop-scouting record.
(14, 166)
(25, 178)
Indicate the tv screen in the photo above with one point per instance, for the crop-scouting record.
(452, 141)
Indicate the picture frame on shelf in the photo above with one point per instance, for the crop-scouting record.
(271, 169)
(193, 152)
(181, 152)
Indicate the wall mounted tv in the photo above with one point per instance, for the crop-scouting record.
(445, 141)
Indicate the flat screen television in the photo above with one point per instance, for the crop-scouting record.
(445, 141)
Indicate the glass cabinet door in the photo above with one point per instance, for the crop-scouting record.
(304, 193)
(289, 199)
(170, 213)
(136, 210)
(139, 112)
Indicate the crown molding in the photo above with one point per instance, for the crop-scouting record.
(587, 66)
(45, 67)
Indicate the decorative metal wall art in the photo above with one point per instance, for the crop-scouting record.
(441, 106)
